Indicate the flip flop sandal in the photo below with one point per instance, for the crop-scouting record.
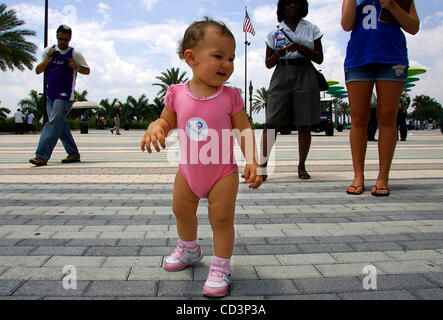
(355, 193)
(376, 193)
(304, 175)
(264, 173)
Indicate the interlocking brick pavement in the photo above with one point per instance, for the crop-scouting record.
(110, 217)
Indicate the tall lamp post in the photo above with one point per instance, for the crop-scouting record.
(250, 101)
(45, 113)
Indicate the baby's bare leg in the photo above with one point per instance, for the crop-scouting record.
(185, 204)
(222, 200)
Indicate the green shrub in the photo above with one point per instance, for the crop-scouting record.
(8, 125)
(74, 124)
(134, 125)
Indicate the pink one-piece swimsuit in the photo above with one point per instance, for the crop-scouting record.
(206, 140)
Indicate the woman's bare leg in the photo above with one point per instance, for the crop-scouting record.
(388, 99)
(359, 100)
(304, 145)
(267, 145)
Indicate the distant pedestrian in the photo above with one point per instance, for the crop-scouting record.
(19, 119)
(405, 101)
(430, 127)
(117, 118)
(441, 123)
(376, 54)
(30, 121)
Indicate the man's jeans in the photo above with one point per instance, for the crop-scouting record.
(56, 128)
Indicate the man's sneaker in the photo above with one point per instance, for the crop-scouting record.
(219, 279)
(71, 159)
(39, 162)
(182, 257)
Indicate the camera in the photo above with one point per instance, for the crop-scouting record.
(55, 54)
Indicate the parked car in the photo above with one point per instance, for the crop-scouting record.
(326, 121)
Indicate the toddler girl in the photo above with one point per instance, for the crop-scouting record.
(205, 112)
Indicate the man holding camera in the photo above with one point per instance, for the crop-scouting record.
(61, 64)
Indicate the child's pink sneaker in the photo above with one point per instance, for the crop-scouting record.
(219, 279)
(182, 257)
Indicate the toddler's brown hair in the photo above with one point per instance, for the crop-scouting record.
(196, 31)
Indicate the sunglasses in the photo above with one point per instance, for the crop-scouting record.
(64, 39)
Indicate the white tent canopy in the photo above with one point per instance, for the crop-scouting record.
(85, 105)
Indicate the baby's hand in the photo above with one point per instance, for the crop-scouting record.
(154, 135)
(252, 177)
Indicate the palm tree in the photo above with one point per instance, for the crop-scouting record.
(260, 100)
(425, 108)
(346, 110)
(137, 109)
(156, 109)
(126, 111)
(34, 103)
(169, 77)
(15, 51)
(106, 108)
(336, 108)
(80, 96)
(4, 113)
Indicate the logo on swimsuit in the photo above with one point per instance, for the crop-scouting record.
(197, 129)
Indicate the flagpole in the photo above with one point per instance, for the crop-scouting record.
(246, 63)
(44, 111)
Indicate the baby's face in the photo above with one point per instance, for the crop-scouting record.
(214, 58)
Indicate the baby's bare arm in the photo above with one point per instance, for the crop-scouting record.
(240, 122)
(158, 131)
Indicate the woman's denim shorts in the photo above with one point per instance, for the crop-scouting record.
(377, 71)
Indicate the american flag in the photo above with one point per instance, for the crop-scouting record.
(247, 25)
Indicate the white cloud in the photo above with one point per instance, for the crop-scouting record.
(425, 52)
(112, 75)
(265, 15)
(103, 9)
(148, 4)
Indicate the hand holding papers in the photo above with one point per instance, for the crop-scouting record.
(386, 16)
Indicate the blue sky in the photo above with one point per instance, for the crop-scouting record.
(129, 43)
